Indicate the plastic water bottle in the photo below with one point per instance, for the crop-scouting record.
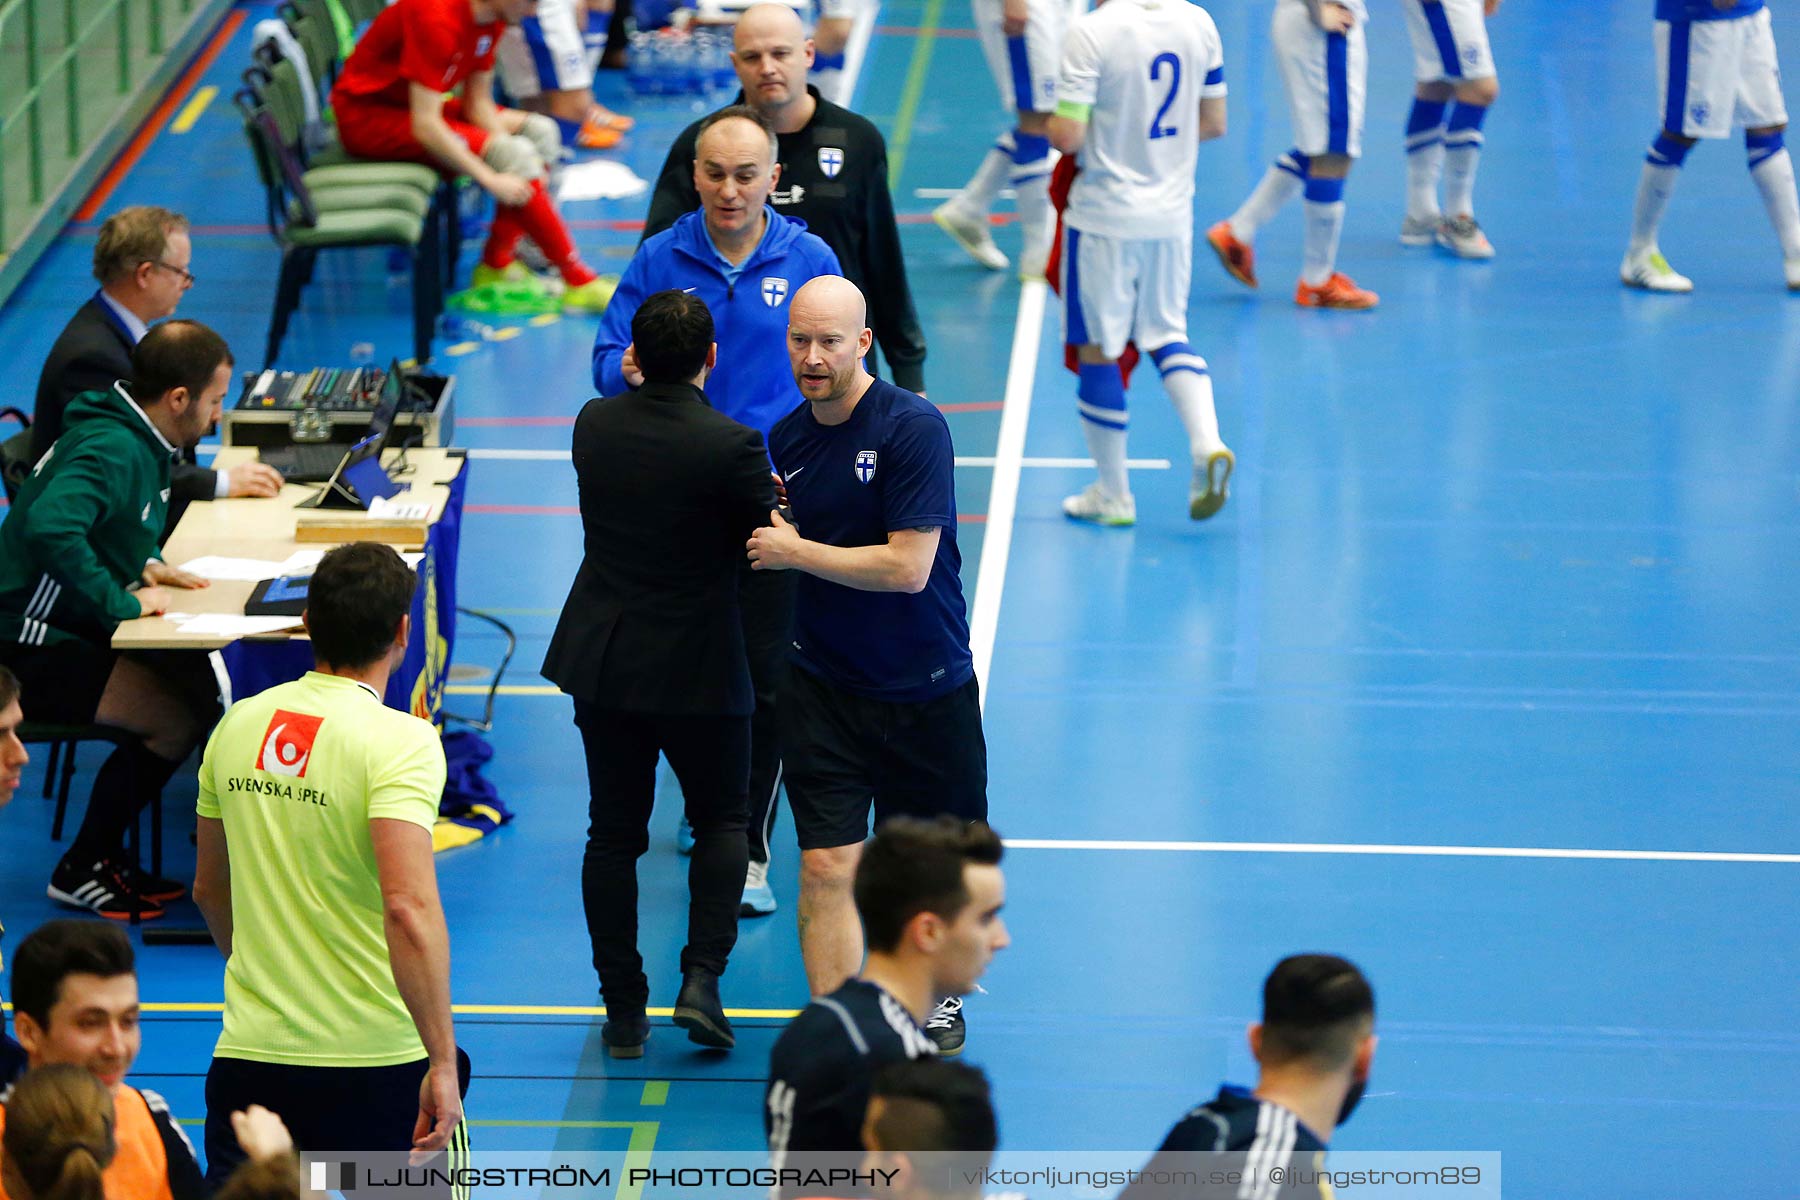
(639, 67)
(724, 75)
(458, 328)
(362, 354)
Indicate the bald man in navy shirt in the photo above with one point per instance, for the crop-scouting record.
(882, 709)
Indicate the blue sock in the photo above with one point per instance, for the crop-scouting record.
(1030, 150)
(1295, 163)
(1425, 124)
(828, 62)
(1102, 394)
(1665, 151)
(568, 130)
(1762, 146)
(1324, 191)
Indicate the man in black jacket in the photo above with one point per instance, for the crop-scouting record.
(141, 259)
(834, 176)
(651, 648)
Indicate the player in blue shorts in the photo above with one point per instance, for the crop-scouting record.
(1715, 68)
(547, 64)
(1451, 62)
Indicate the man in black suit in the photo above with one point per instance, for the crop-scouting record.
(141, 259)
(651, 647)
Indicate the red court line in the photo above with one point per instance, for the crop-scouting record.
(158, 119)
(502, 422)
(973, 406)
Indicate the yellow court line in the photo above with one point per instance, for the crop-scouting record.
(499, 1010)
(508, 689)
(462, 348)
(506, 334)
(191, 112)
(543, 319)
(656, 1093)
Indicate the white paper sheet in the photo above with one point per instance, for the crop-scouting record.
(233, 625)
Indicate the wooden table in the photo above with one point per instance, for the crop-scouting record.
(262, 529)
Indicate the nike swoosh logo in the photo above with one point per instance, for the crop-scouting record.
(690, 291)
(792, 473)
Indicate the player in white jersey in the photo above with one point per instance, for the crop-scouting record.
(1451, 60)
(1142, 85)
(1324, 65)
(1022, 40)
(547, 64)
(1715, 68)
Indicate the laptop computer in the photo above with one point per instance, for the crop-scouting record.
(319, 462)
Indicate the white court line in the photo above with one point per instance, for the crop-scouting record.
(946, 193)
(1406, 851)
(962, 460)
(1003, 495)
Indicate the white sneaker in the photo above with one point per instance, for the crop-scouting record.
(1419, 231)
(1792, 267)
(1463, 237)
(1032, 267)
(971, 233)
(1212, 484)
(1094, 503)
(759, 898)
(1649, 270)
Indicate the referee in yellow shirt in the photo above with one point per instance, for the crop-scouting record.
(316, 879)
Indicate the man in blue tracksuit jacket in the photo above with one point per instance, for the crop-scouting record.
(741, 257)
(745, 260)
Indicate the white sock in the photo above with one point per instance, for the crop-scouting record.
(996, 168)
(1324, 225)
(1460, 162)
(1037, 220)
(1276, 189)
(1192, 396)
(1774, 178)
(1107, 445)
(1655, 186)
(1423, 166)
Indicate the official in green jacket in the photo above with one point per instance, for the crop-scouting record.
(78, 555)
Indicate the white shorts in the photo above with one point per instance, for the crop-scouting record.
(1118, 290)
(1325, 76)
(1711, 75)
(1449, 40)
(1025, 68)
(839, 10)
(544, 53)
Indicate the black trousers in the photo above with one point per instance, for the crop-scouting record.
(327, 1109)
(711, 759)
(63, 682)
(766, 607)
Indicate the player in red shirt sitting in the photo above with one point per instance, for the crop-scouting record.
(390, 103)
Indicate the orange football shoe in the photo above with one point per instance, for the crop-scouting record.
(1238, 259)
(599, 130)
(1340, 291)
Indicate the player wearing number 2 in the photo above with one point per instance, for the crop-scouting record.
(1143, 84)
(1324, 65)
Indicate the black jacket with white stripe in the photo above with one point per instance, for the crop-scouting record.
(823, 1063)
(1270, 1154)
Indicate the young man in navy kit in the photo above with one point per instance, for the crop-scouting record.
(882, 706)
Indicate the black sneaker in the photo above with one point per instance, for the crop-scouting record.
(625, 1034)
(945, 1027)
(150, 887)
(699, 1011)
(100, 888)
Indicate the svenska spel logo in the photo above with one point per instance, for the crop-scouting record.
(288, 744)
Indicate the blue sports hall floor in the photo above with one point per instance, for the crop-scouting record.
(1488, 677)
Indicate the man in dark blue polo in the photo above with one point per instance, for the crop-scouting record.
(882, 708)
